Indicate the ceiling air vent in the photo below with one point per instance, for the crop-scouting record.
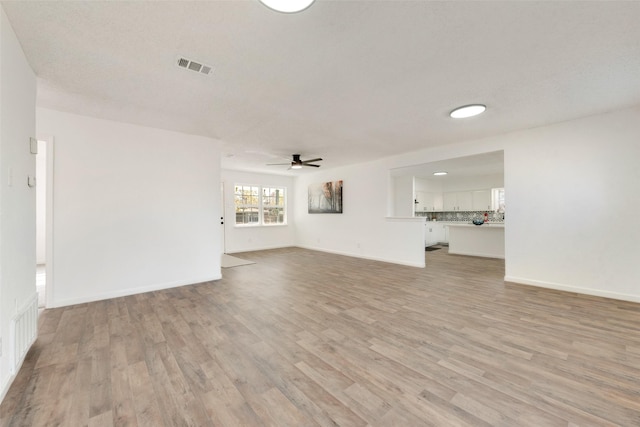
(198, 67)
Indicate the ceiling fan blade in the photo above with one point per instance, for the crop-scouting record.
(313, 166)
(312, 160)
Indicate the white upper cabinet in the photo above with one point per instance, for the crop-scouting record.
(433, 202)
(438, 203)
(450, 201)
(458, 201)
(466, 194)
(419, 201)
(428, 202)
(465, 200)
(481, 200)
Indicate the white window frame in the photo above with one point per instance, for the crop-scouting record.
(246, 203)
(497, 199)
(266, 205)
(261, 205)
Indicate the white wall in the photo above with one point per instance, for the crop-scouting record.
(241, 239)
(362, 229)
(41, 201)
(403, 195)
(466, 183)
(17, 200)
(463, 183)
(573, 199)
(134, 208)
(428, 185)
(572, 205)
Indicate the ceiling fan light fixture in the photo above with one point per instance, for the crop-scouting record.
(298, 163)
(287, 6)
(467, 111)
(440, 173)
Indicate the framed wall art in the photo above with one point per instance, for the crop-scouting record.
(325, 197)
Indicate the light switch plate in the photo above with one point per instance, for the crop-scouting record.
(31, 181)
(33, 145)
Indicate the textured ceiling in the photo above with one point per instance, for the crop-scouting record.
(345, 80)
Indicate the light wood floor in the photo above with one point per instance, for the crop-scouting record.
(303, 338)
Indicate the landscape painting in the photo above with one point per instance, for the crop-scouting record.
(325, 197)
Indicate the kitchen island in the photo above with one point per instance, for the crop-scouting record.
(486, 240)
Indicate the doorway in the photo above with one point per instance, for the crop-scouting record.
(222, 221)
(453, 194)
(41, 221)
(44, 222)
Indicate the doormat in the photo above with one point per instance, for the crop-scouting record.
(431, 248)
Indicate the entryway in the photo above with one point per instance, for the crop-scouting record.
(44, 201)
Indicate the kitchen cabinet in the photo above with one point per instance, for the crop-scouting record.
(481, 200)
(450, 201)
(443, 231)
(437, 202)
(419, 202)
(428, 235)
(434, 233)
(428, 202)
(432, 202)
(438, 230)
(465, 201)
(431, 233)
(458, 201)
(483, 241)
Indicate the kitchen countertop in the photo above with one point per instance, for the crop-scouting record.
(486, 240)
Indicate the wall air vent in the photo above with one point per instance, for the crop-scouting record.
(198, 67)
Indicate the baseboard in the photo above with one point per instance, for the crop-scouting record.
(261, 248)
(132, 291)
(354, 255)
(574, 289)
(10, 379)
(6, 386)
(478, 254)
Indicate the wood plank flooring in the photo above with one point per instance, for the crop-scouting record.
(304, 338)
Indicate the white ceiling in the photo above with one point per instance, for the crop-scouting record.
(344, 80)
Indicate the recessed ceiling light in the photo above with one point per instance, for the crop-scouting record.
(439, 173)
(287, 6)
(467, 111)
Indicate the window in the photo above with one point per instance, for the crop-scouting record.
(259, 205)
(497, 199)
(247, 200)
(272, 205)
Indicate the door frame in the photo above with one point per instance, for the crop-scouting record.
(49, 256)
(223, 222)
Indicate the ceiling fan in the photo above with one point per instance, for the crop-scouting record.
(298, 163)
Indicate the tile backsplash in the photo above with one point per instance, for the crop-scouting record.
(462, 216)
